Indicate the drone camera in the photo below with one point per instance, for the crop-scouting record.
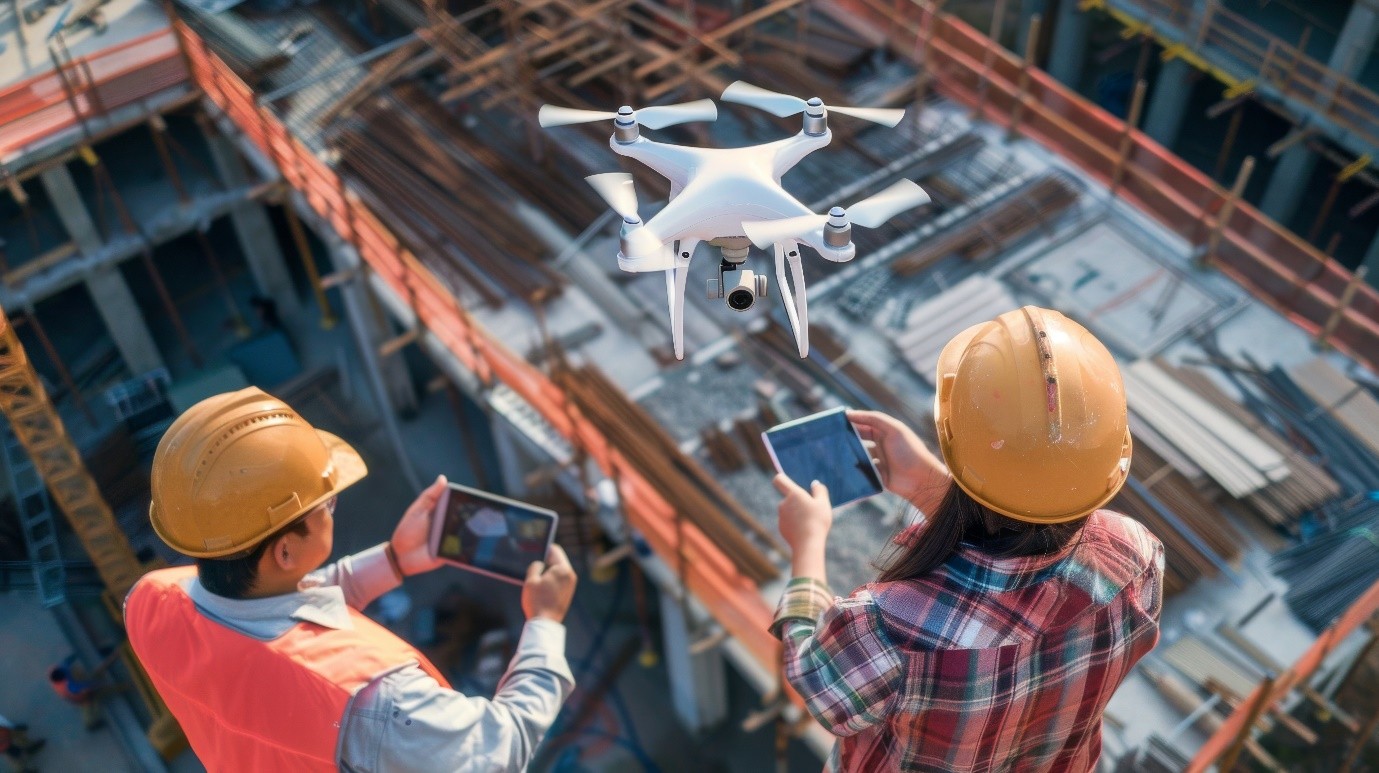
(743, 295)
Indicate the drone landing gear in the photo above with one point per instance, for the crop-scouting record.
(676, 280)
(796, 305)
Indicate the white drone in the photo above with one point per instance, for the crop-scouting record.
(732, 198)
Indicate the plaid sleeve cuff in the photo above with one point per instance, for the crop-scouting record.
(805, 599)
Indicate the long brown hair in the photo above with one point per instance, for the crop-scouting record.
(960, 518)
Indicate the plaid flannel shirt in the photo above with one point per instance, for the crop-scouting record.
(985, 664)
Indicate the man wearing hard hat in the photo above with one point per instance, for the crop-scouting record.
(263, 656)
(999, 628)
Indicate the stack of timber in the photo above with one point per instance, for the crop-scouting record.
(421, 184)
(1196, 535)
(1307, 487)
(1232, 456)
(1033, 207)
(681, 481)
(933, 323)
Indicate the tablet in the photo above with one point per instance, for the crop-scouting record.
(824, 447)
(489, 534)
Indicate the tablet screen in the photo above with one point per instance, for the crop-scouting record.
(825, 447)
(493, 534)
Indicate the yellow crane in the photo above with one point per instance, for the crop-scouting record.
(40, 431)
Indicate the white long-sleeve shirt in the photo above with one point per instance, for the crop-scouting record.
(404, 720)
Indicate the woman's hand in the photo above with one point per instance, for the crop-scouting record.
(412, 537)
(804, 520)
(907, 466)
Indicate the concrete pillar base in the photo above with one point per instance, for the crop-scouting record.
(698, 683)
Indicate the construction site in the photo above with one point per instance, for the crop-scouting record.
(353, 206)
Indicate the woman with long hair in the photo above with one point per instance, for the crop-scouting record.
(999, 627)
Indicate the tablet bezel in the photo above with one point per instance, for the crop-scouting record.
(438, 523)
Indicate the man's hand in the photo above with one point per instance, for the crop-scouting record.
(550, 587)
(412, 536)
(907, 466)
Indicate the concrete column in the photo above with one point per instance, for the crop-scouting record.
(120, 312)
(1028, 8)
(1069, 49)
(511, 466)
(1353, 48)
(698, 684)
(253, 228)
(109, 291)
(1168, 106)
(1356, 42)
(1372, 260)
(1288, 183)
(359, 312)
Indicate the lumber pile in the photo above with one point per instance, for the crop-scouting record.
(1029, 209)
(1196, 535)
(438, 207)
(933, 323)
(1232, 456)
(1308, 485)
(680, 480)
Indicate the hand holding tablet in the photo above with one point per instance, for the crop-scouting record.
(824, 447)
(489, 534)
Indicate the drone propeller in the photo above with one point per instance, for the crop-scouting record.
(616, 188)
(868, 213)
(656, 117)
(783, 105)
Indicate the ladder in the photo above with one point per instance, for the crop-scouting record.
(36, 522)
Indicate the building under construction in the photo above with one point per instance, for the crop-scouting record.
(352, 206)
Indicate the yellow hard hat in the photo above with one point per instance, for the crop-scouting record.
(1031, 416)
(239, 466)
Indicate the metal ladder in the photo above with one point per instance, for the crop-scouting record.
(36, 521)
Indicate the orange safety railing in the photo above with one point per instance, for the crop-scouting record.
(1273, 263)
(1263, 57)
(39, 107)
(732, 598)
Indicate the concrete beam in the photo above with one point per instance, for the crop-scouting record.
(1069, 50)
(1168, 106)
(257, 240)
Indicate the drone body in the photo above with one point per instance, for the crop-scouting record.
(732, 198)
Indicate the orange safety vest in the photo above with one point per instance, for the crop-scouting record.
(246, 704)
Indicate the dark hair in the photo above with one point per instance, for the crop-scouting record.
(960, 518)
(233, 578)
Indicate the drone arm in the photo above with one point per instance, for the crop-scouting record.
(790, 151)
(673, 162)
(796, 303)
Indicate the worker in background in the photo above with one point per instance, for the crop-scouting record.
(264, 657)
(83, 689)
(17, 746)
(1000, 626)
